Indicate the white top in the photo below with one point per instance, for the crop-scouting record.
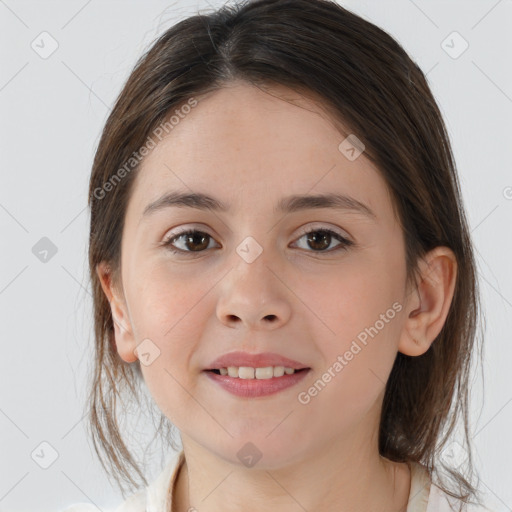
(423, 497)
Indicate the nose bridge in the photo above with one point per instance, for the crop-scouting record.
(252, 272)
(251, 293)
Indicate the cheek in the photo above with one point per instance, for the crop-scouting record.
(357, 311)
(166, 300)
(171, 377)
(170, 310)
(350, 297)
(359, 348)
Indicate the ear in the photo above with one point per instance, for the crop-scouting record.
(124, 338)
(427, 305)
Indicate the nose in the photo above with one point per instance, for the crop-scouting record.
(255, 296)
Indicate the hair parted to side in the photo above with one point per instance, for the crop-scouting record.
(367, 81)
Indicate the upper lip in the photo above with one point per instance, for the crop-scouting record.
(261, 360)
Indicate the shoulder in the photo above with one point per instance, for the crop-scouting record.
(425, 496)
(153, 497)
(439, 501)
(135, 503)
(82, 507)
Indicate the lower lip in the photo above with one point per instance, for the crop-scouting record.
(251, 388)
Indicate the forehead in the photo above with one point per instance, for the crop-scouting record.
(243, 144)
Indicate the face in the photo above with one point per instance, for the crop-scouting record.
(334, 302)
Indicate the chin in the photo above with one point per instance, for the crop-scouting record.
(258, 451)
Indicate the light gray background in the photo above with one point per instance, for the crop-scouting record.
(52, 112)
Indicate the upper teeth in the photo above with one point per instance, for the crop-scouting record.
(246, 372)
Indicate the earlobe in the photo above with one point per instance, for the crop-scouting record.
(427, 306)
(123, 334)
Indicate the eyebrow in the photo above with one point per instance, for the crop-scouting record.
(287, 204)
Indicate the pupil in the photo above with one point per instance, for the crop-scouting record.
(192, 239)
(313, 238)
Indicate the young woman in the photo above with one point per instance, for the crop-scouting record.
(279, 253)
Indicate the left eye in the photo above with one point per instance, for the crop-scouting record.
(322, 238)
(318, 239)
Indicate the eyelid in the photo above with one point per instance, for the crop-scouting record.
(319, 226)
(182, 229)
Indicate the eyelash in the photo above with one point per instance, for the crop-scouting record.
(343, 246)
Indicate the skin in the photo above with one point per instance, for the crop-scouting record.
(249, 148)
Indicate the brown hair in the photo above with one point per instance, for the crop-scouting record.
(367, 81)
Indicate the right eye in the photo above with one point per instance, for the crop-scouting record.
(191, 238)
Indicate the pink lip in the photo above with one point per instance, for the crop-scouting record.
(254, 360)
(253, 388)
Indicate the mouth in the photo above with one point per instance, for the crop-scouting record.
(247, 372)
(247, 382)
(265, 364)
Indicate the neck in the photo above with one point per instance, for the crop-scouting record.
(323, 481)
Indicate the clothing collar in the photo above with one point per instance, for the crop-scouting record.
(159, 492)
(420, 488)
